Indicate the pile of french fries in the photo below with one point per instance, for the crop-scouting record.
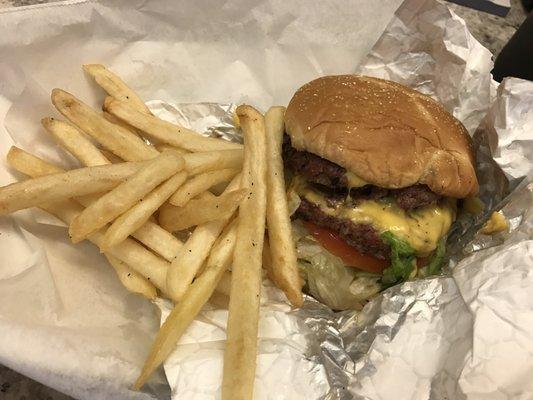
(143, 180)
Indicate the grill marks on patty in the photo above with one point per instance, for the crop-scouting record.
(361, 236)
(331, 178)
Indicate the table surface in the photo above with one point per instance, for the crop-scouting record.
(492, 31)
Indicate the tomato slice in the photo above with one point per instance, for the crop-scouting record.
(422, 261)
(349, 254)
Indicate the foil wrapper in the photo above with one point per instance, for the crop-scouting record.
(464, 335)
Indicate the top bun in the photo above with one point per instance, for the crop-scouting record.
(386, 133)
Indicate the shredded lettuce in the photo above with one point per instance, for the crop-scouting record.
(402, 258)
(435, 264)
(328, 280)
(339, 287)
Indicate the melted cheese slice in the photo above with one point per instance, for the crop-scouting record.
(421, 228)
(496, 223)
(354, 181)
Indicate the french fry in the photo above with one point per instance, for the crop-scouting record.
(34, 166)
(131, 280)
(284, 264)
(191, 256)
(116, 139)
(117, 121)
(143, 261)
(174, 218)
(124, 196)
(136, 216)
(224, 284)
(165, 131)
(76, 182)
(241, 345)
(267, 263)
(197, 163)
(193, 301)
(163, 146)
(30, 165)
(150, 234)
(75, 142)
(158, 239)
(200, 183)
(114, 86)
(113, 158)
(207, 195)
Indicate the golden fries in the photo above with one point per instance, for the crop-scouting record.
(191, 256)
(180, 180)
(116, 139)
(196, 163)
(150, 234)
(193, 301)
(113, 158)
(28, 164)
(199, 184)
(165, 131)
(174, 218)
(76, 182)
(124, 196)
(163, 146)
(224, 284)
(136, 216)
(241, 345)
(117, 121)
(34, 166)
(284, 265)
(129, 251)
(114, 86)
(74, 142)
(158, 239)
(131, 280)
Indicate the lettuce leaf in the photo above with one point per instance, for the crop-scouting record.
(327, 278)
(435, 264)
(402, 260)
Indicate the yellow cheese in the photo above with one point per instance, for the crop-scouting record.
(354, 181)
(496, 223)
(421, 228)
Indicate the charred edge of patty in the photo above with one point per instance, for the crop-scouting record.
(361, 236)
(330, 178)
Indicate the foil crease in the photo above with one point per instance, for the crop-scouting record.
(208, 119)
(465, 335)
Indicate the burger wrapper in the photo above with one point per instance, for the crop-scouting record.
(66, 321)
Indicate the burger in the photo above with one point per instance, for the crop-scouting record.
(374, 172)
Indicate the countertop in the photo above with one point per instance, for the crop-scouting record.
(492, 31)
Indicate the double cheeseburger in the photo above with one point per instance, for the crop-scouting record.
(374, 173)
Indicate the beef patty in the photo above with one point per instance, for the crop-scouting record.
(361, 236)
(332, 177)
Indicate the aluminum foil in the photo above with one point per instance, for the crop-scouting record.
(465, 335)
(208, 119)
